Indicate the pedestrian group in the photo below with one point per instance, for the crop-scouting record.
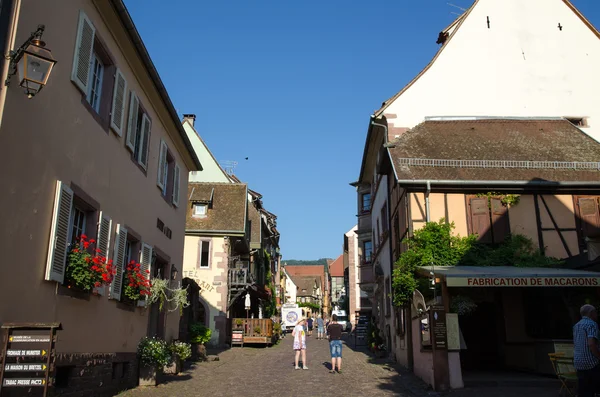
(333, 331)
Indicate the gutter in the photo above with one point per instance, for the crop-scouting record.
(135, 37)
(537, 183)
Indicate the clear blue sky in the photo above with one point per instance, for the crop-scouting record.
(291, 85)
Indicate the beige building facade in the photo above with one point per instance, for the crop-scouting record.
(99, 151)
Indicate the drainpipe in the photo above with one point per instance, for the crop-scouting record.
(11, 34)
(427, 213)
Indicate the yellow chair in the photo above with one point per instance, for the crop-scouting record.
(565, 372)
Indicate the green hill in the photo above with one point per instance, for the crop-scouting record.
(296, 262)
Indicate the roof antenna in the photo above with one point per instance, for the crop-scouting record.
(229, 166)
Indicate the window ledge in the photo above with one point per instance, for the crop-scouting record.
(73, 293)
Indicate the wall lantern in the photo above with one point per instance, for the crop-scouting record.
(173, 272)
(32, 62)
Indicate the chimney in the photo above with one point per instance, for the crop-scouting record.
(190, 117)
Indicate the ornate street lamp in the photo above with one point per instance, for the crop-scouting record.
(33, 62)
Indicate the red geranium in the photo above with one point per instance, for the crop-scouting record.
(137, 281)
(88, 270)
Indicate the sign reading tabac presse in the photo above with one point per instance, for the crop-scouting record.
(27, 353)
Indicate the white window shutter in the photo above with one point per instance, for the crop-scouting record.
(59, 233)
(103, 241)
(134, 106)
(162, 161)
(118, 103)
(116, 287)
(146, 267)
(84, 47)
(176, 184)
(144, 142)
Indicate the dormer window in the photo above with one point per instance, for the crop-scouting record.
(200, 210)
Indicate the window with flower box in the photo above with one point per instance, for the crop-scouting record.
(78, 228)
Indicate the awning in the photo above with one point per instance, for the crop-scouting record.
(510, 276)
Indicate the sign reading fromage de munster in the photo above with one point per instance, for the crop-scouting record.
(523, 281)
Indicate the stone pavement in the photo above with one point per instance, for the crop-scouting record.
(269, 372)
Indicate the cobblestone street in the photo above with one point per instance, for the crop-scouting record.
(267, 372)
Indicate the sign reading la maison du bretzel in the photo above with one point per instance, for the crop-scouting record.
(523, 281)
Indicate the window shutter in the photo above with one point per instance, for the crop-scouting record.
(84, 46)
(590, 219)
(116, 286)
(176, 177)
(59, 233)
(480, 219)
(500, 221)
(162, 162)
(103, 241)
(134, 107)
(146, 264)
(144, 142)
(118, 103)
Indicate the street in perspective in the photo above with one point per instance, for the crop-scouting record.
(277, 198)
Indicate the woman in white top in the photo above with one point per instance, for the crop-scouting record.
(300, 343)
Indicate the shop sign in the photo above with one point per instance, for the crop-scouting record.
(438, 328)
(523, 281)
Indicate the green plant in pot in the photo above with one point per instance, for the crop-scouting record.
(257, 330)
(239, 322)
(199, 335)
(180, 351)
(154, 355)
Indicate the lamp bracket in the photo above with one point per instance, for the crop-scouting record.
(15, 56)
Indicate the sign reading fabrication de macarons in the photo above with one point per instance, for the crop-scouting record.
(523, 281)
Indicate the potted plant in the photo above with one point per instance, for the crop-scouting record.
(180, 352)
(87, 268)
(154, 355)
(137, 282)
(199, 335)
(257, 330)
(239, 322)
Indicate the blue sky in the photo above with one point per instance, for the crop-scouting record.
(291, 85)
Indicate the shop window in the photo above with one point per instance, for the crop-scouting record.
(547, 324)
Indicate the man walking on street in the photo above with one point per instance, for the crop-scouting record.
(334, 329)
(586, 356)
(320, 328)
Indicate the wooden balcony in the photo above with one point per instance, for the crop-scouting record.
(240, 278)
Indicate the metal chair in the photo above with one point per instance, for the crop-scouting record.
(565, 372)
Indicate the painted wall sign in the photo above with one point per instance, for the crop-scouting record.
(204, 285)
(523, 281)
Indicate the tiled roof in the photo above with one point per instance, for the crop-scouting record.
(317, 271)
(336, 269)
(306, 283)
(201, 194)
(227, 212)
(495, 139)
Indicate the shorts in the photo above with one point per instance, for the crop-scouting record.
(299, 345)
(321, 330)
(310, 327)
(335, 348)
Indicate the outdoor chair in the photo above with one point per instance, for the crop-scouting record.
(565, 372)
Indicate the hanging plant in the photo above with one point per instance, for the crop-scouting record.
(179, 299)
(158, 292)
(87, 268)
(463, 305)
(507, 200)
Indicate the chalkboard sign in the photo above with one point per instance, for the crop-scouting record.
(361, 329)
